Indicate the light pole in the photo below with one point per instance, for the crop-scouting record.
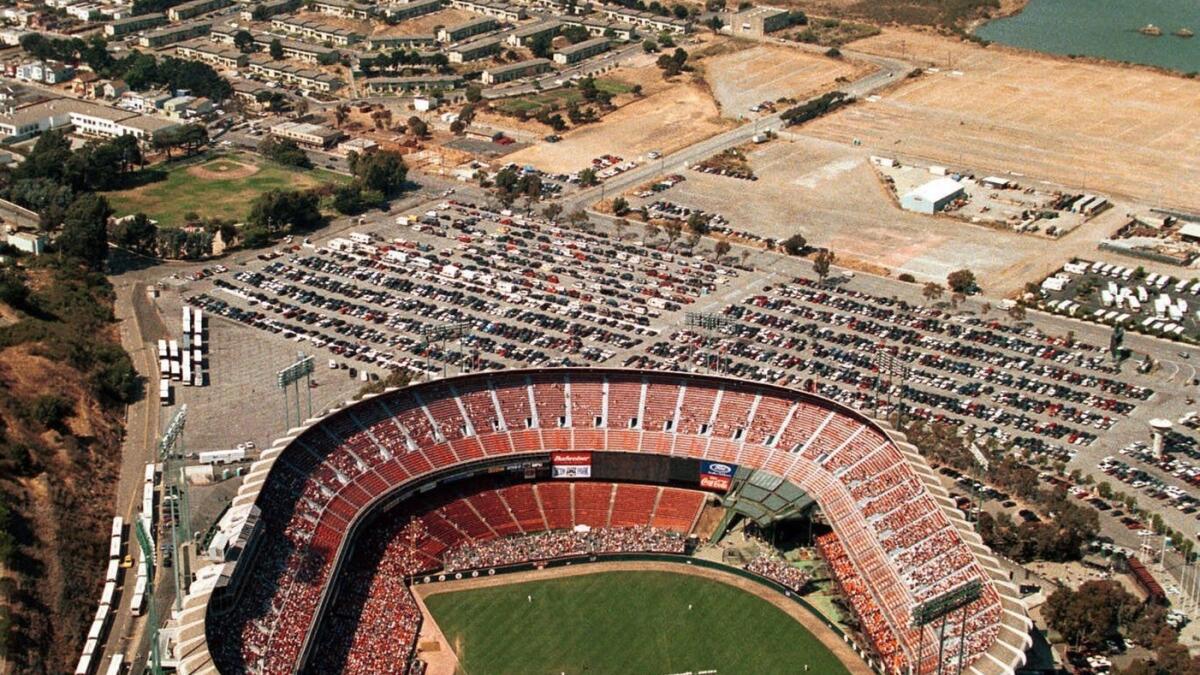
(711, 323)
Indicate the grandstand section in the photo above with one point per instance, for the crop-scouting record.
(473, 458)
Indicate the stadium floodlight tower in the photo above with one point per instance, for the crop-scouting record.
(154, 659)
(711, 323)
(454, 330)
(301, 369)
(171, 453)
(887, 363)
(941, 607)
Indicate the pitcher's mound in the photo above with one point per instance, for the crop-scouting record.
(222, 169)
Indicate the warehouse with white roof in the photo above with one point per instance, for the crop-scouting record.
(932, 196)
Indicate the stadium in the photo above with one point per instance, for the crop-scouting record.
(469, 475)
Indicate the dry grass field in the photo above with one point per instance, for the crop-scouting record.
(667, 119)
(422, 25)
(766, 73)
(1125, 132)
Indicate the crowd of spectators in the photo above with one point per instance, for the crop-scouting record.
(778, 571)
(551, 545)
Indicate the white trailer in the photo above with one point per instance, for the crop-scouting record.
(176, 370)
(164, 367)
(109, 594)
(164, 392)
(116, 664)
(198, 321)
(162, 349)
(222, 456)
(114, 548)
(118, 527)
(174, 349)
(186, 375)
(114, 569)
(187, 319)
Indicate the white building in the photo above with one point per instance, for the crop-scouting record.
(932, 196)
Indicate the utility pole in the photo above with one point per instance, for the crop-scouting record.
(710, 323)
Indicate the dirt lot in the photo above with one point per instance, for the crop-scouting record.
(1123, 131)
(831, 194)
(767, 73)
(423, 25)
(672, 118)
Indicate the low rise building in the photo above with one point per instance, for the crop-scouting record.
(304, 133)
(411, 83)
(348, 9)
(467, 29)
(357, 145)
(86, 118)
(394, 42)
(932, 196)
(474, 50)
(492, 8)
(411, 10)
(642, 19)
(215, 55)
(265, 10)
(758, 21)
(514, 71)
(194, 8)
(318, 31)
(27, 242)
(524, 35)
(133, 24)
(287, 73)
(600, 27)
(580, 51)
(170, 35)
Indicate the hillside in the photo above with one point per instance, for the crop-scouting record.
(64, 381)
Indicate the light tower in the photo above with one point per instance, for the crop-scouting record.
(1158, 431)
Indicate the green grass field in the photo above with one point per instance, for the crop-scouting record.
(213, 195)
(627, 623)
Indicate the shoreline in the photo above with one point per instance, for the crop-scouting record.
(969, 33)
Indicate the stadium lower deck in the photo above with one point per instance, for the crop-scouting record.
(894, 544)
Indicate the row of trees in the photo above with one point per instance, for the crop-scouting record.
(139, 71)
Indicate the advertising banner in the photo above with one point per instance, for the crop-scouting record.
(571, 464)
(716, 475)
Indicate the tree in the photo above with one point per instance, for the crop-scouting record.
(587, 177)
(962, 281)
(673, 230)
(721, 249)
(1017, 312)
(278, 210)
(579, 218)
(48, 159)
(575, 34)
(932, 290)
(137, 234)
(822, 262)
(620, 206)
(383, 171)
(795, 244)
(275, 49)
(1090, 614)
(620, 225)
(417, 127)
(697, 223)
(474, 94)
(649, 46)
(542, 46)
(552, 211)
(651, 231)
(84, 236)
(244, 41)
(284, 151)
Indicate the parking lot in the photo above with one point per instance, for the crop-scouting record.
(526, 293)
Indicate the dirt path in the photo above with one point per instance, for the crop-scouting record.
(432, 646)
(842, 650)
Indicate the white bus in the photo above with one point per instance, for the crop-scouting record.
(164, 392)
(174, 348)
(187, 319)
(162, 349)
(116, 664)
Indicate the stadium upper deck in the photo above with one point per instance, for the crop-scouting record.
(897, 545)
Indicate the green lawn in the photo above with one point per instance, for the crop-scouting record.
(627, 623)
(212, 195)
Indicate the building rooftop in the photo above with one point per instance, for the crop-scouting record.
(936, 190)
